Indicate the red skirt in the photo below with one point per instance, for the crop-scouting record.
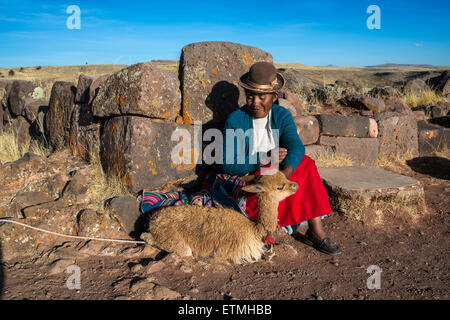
(310, 200)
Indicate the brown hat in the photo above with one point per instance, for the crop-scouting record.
(262, 77)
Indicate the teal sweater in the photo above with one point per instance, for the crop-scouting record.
(281, 119)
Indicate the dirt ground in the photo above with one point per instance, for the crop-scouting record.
(413, 262)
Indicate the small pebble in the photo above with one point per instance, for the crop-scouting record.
(137, 267)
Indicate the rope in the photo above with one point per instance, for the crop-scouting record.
(2, 220)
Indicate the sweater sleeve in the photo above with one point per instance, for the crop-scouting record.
(290, 140)
(231, 143)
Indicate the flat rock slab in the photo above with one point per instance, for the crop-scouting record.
(369, 181)
(372, 195)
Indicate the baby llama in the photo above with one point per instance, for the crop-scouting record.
(221, 233)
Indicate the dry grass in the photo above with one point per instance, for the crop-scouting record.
(103, 186)
(416, 100)
(326, 160)
(394, 162)
(376, 211)
(12, 150)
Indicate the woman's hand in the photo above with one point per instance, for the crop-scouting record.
(282, 153)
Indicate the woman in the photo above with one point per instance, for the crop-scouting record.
(272, 138)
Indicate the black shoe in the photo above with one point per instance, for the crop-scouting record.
(325, 246)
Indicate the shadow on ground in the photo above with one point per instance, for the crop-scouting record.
(436, 167)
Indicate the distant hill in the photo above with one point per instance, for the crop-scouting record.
(400, 65)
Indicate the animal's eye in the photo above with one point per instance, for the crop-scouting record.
(281, 188)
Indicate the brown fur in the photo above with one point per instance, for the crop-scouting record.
(222, 233)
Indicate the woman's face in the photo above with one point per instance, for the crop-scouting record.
(260, 104)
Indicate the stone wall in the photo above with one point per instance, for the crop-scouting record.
(128, 118)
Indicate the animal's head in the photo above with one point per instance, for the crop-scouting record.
(274, 184)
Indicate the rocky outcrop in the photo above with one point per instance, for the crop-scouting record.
(432, 138)
(19, 92)
(416, 86)
(397, 134)
(308, 129)
(141, 152)
(141, 89)
(209, 74)
(57, 121)
(347, 126)
(441, 83)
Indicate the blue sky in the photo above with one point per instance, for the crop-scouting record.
(318, 32)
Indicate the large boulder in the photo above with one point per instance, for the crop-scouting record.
(138, 150)
(441, 83)
(296, 83)
(126, 210)
(19, 92)
(308, 129)
(363, 151)
(32, 107)
(293, 99)
(95, 85)
(7, 90)
(439, 109)
(57, 121)
(432, 138)
(84, 134)
(209, 74)
(370, 103)
(84, 83)
(21, 129)
(34, 111)
(347, 126)
(141, 89)
(415, 86)
(396, 104)
(382, 92)
(397, 134)
(288, 105)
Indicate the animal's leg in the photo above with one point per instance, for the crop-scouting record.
(180, 247)
(148, 238)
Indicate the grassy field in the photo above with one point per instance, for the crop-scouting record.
(366, 77)
(47, 75)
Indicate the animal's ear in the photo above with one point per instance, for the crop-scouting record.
(254, 188)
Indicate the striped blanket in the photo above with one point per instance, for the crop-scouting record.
(224, 192)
